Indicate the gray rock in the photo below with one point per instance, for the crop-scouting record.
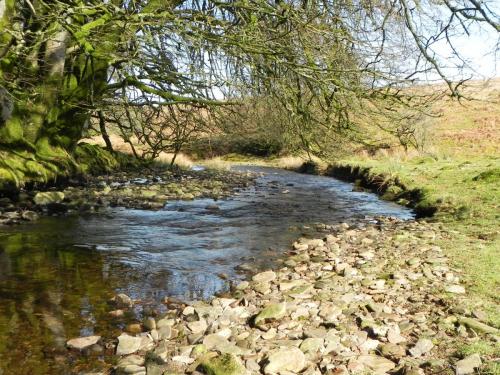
(164, 332)
(477, 325)
(133, 359)
(131, 369)
(266, 276)
(377, 365)
(421, 347)
(261, 287)
(392, 351)
(243, 285)
(29, 215)
(197, 326)
(156, 369)
(456, 289)
(312, 345)
(468, 365)
(221, 344)
(164, 323)
(394, 336)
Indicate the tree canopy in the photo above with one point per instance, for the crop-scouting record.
(327, 66)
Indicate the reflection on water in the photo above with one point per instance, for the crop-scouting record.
(57, 274)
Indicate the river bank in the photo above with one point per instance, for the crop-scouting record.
(428, 285)
(461, 193)
(147, 188)
(342, 303)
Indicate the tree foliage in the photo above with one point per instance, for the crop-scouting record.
(330, 66)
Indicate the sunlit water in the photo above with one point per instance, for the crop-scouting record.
(56, 275)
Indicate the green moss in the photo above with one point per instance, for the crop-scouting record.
(8, 180)
(271, 312)
(20, 166)
(95, 159)
(46, 150)
(392, 193)
(225, 364)
(12, 131)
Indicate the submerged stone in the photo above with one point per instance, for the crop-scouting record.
(81, 343)
(128, 344)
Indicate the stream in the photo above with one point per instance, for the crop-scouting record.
(57, 274)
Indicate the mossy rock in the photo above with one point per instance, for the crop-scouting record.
(271, 312)
(148, 193)
(198, 350)
(392, 193)
(225, 364)
(48, 197)
(8, 180)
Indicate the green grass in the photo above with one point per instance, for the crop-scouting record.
(466, 193)
(459, 173)
(483, 348)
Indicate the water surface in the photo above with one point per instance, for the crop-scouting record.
(57, 274)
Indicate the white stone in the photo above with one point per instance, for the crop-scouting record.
(198, 326)
(282, 360)
(456, 289)
(128, 344)
(81, 343)
(266, 276)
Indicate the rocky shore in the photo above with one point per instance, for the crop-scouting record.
(152, 190)
(378, 298)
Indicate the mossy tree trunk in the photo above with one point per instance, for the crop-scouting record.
(51, 82)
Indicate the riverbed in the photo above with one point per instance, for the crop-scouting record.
(57, 274)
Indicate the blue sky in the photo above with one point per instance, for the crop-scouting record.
(479, 49)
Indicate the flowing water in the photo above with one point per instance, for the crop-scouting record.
(56, 275)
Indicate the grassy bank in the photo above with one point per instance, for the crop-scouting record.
(465, 196)
(458, 176)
